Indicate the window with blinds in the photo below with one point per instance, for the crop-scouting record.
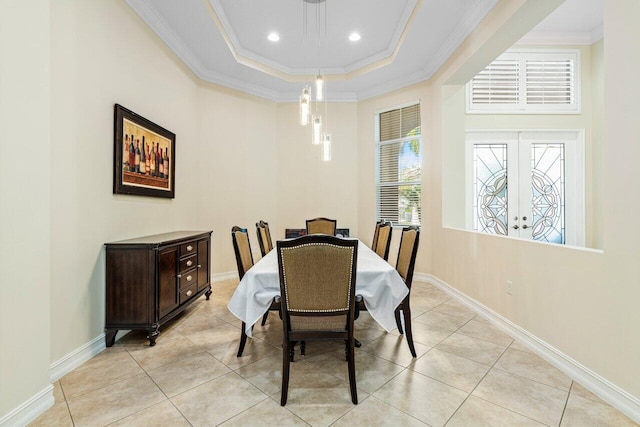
(528, 82)
(399, 159)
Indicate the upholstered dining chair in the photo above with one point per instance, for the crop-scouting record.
(405, 264)
(383, 240)
(264, 237)
(244, 260)
(321, 226)
(317, 285)
(264, 241)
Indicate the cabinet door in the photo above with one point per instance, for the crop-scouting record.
(203, 263)
(167, 280)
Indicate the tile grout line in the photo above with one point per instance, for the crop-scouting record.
(566, 402)
(477, 384)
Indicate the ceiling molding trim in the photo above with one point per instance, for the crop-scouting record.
(239, 85)
(275, 69)
(341, 97)
(385, 58)
(390, 86)
(175, 43)
(597, 33)
(158, 24)
(467, 24)
(556, 39)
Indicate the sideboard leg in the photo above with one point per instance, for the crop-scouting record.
(208, 294)
(110, 337)
(153, 334)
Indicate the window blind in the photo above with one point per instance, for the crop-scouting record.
(399, 166)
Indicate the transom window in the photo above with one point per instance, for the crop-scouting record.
(398, 161)
(528, 81)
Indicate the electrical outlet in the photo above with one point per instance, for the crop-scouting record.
(509, 287)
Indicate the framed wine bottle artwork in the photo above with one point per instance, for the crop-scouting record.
(144, 156)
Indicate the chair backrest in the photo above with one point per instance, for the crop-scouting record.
(242, 248)
(407, 253)
(264, 237)
(383, 242)
(321, 226)
(317, 283)
(374, 243)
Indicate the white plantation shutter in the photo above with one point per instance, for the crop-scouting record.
(398, 165)
(497, 84)
(527, 82)
(550, 81)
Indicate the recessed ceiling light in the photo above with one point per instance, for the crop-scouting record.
(354, 37)
(274, 37)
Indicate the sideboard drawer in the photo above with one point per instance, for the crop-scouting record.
(188, 249)
(188, 263)
(188, 293)
(187, 279)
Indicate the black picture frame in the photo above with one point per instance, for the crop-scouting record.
(150, 141)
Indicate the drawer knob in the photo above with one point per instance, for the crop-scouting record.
(199, 266)
(189, 263)
(189, 292)
(189, 278)
(179, 276)
(189, 248)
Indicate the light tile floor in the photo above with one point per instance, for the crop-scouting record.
(467, 373)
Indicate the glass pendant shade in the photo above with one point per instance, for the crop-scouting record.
(304, 111)
(326, 152)
(316, 121)
(319, 87)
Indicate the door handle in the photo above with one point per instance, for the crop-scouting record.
(515, 227)
(525, 226)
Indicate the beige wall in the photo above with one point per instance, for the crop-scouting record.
(309, 187)
(104, 54)
(25, 203)
(236, 165)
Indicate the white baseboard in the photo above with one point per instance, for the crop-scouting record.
(76, 358)
(39, 403)
(221, 277)
(29, 410)
(606, 390)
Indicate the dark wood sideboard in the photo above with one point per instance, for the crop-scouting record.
(152, 279)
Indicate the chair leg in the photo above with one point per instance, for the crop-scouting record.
(286, 348)
(352, 371)
(264, 318)
(243, 340)
(406, 311)
(398, 322)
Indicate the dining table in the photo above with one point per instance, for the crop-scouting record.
(381, 287)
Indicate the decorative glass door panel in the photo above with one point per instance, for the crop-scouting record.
(548, 192)
(526, 184)
(490, 188)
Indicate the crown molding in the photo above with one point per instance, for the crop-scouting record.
(256, 61)
(468, 23)
(562, 39)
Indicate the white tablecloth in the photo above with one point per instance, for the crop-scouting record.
(379, 283)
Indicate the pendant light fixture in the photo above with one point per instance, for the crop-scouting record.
(319, 132)
(319, 87)
(305, 101)
(316, 122)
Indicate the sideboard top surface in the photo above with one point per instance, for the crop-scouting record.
(164, 238)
